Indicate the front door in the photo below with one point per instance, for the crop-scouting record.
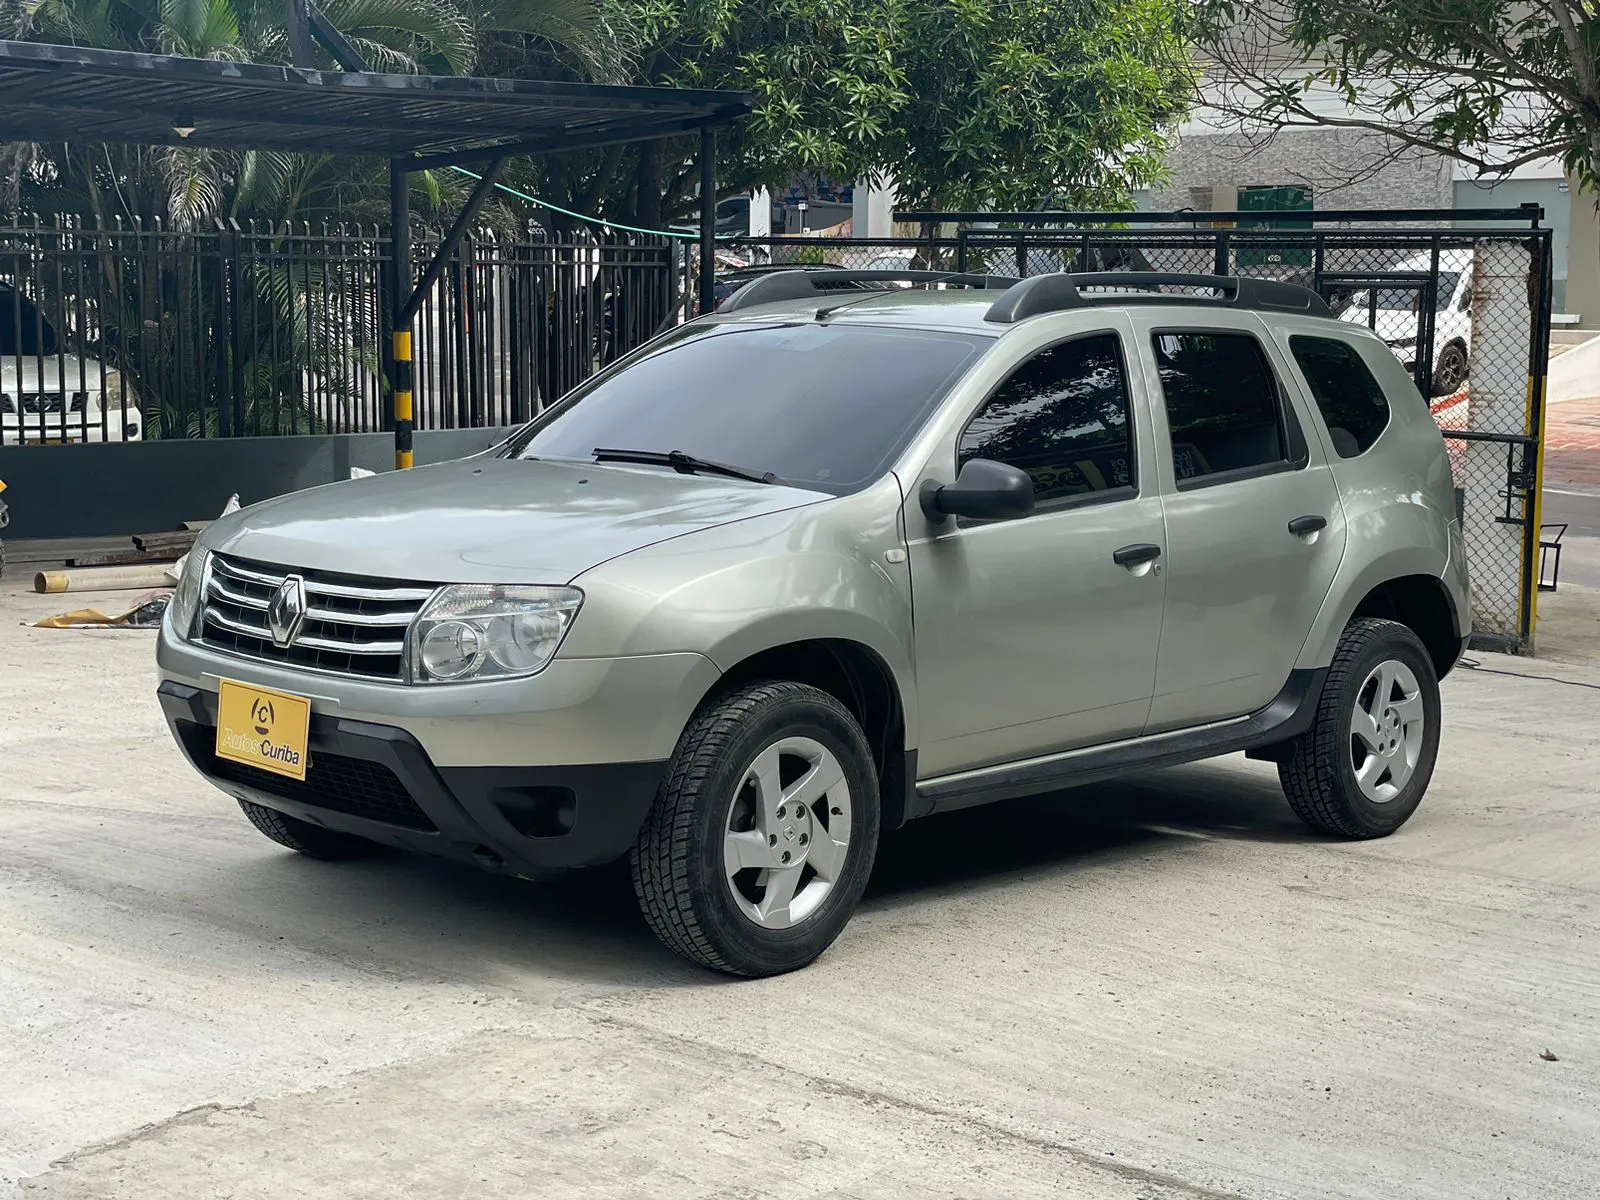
(1030, 636)
(1255, 529)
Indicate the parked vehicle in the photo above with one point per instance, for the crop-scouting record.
(1396, 316)
(48, 395)
(837, 557)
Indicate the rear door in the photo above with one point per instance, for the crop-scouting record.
(1255, 530)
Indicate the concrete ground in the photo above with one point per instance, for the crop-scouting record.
(1154, 989)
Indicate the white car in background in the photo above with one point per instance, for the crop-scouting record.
(1396, 316)
(47, 395)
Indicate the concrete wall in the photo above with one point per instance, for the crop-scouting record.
(1583, 259)
(1325, 160)
(145, 487)
(1509, 193)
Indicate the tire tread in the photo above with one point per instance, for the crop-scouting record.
(661, 858)
(1309, 773)
(330, 845)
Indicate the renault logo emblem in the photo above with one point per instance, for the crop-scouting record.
(287, 611)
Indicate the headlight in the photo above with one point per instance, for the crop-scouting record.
(186, 597)
(490, 631)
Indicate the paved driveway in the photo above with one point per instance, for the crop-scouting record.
(1157, 988)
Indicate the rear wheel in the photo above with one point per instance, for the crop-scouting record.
(311, 840)
(1361, 769)
(761, 839)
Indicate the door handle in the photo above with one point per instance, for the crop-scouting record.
(1301, 526)
(1132, 556)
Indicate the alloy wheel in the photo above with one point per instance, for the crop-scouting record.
(1386, 730)
(788, 832)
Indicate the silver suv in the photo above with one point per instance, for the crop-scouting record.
(843, 555)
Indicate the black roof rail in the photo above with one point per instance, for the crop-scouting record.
(1053, 293)
(802, 283)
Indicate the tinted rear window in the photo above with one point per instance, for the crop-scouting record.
(1351, 400)
(821, 406)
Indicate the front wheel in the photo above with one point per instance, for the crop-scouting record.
(1450, 370)
(1361, 769)
(764, 831)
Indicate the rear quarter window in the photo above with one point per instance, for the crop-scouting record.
(1352, 402)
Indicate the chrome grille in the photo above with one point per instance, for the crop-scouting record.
(353, 626)
(45, 402)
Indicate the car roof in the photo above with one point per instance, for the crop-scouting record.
(957, 309)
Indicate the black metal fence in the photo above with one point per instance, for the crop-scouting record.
(128, 332)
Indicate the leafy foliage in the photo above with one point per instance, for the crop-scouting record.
(1494, 83)
(963, 102)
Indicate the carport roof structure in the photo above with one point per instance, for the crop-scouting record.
(52, 93)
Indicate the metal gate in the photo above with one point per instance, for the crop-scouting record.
(1465, 308)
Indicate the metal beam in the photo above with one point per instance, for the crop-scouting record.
(334, 42)
(708, 219)
(300, 45)
(435, 267)
(576, 140)
(1447, 216)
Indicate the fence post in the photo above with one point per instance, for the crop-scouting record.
(1497, 403)
(1541, 286)
(231, 253)
(400, 283)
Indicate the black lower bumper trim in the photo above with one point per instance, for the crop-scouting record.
(378, 782)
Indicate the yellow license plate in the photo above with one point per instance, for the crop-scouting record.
(44, 441)
(262, 728)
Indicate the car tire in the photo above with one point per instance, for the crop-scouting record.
(311, 840)
(1450, 369)
(728, 871)
(1361, 769)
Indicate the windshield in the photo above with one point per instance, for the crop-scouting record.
(821, 406)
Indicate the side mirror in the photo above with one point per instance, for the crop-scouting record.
(985, 491)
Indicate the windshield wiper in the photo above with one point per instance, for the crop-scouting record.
(686, 464)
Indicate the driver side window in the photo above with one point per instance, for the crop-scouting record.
(1062, 417)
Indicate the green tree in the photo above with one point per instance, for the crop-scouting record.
(1493, 83)
(963, 102)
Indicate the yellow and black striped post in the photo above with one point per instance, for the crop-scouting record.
(403, 423)
(401, 281)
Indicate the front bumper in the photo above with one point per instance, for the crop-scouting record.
(377, 781)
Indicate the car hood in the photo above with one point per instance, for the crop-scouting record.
(490, 520)
(80, 374)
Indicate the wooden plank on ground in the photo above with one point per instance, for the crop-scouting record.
(120, 557)
(180, 541)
